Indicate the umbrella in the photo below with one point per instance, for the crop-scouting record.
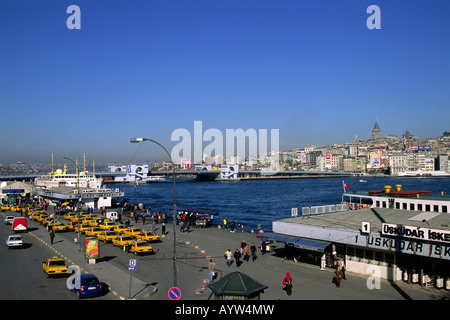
(237, 284)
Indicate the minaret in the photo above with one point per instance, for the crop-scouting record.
(376, 132)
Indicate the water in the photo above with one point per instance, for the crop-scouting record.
(250, 202)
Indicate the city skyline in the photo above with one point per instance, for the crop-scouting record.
(312, 70)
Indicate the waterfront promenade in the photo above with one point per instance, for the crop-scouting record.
(195, 248)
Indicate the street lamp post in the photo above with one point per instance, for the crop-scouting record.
(137, 140)
(79, 200)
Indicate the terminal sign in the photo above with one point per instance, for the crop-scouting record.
(418, 233)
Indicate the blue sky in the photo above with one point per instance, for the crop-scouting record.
(311, 69)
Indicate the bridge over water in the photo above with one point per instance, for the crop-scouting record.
(209, 175)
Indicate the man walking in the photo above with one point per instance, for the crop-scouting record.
(211, 266)
(52, 235)
(237, 257)
(228, 256)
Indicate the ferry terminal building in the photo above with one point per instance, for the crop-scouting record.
(405, 234)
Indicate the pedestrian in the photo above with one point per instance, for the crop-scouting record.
(211, 267)
(342, 265)
(228, 256)
(237, 257)
(253, 252)
(163, 229)
(243, 244)
(337, 277)
(181, 226)
(52, 235)
(287, 282)
(245, 253)
(225, 222)
(143, 218)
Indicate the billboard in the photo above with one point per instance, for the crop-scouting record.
(92, 248)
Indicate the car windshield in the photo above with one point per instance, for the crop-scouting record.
(141, 244)
(15, 238)
(89, 281)
(57, 263)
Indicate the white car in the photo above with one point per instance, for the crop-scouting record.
(14, 241)
(9, 219)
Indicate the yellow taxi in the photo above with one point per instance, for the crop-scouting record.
(93, 231)
(140, 246)
(107, 236)
(147, 235)
(123, 240)
(41, 217)
(86, 220)
(95, 221)
(120, 228)
(71, 226)
(83, 227)
(16, 209)
(35, 213)
(107, 225)
(5, 207)
(59, 226)
(70, 215)
(133, 231)
(54, 266)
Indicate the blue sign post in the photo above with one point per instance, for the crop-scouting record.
(131, 267)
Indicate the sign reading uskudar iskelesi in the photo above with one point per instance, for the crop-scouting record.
(417, 233)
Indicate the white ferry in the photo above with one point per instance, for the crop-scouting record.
(422, 173)
(61, 178)
(155, 179)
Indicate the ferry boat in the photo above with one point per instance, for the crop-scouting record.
(155, 179)
(60, 178)
(415, 200)
(422, 173)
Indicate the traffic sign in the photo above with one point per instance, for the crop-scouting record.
(132, 265)
(174, 293)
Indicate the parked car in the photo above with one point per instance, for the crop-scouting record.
(106, 236)
(148, 236)
(14, 241)
(140, 247)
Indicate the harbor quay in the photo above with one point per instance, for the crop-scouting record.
(153, 277)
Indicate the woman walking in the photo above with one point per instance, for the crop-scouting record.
(337, 277)
(287, 282)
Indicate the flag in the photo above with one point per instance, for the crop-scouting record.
(346, 186)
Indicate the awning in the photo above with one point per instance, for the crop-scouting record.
(302, 243)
